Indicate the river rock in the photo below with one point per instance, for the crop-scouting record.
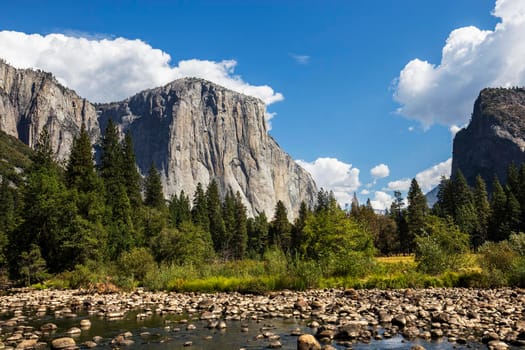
(26, 344)
(63, 343)
(307, 342)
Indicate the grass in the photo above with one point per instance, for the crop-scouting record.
(274, 272)
(405, 259)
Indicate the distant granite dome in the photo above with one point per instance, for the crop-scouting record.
(494, 138)
(191, 129)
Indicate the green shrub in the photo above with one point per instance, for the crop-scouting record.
(442, 247)
(134, 265)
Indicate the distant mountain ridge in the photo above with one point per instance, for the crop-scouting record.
(191, 129)
(494, 138)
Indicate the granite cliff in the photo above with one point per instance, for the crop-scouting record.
(191, 129)
(494, 138)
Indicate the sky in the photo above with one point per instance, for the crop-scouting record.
(365, 95)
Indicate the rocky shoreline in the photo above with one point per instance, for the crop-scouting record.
(494, 317)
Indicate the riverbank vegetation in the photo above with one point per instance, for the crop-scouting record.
(80, 225)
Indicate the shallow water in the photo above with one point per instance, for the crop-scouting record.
(167, 333)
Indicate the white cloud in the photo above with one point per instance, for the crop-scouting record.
(431, 177)
(380, 171)
(399, 185)
(365, 192)
(411, 128)
(454, 129)
(103, 69)
(472, 59)
(301, 59)
(381, 201)
(332, 174)
(427, 179)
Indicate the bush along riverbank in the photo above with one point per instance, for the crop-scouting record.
(339, 316)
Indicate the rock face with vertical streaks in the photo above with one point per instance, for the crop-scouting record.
(191, 129)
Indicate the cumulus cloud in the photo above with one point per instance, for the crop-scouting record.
(334, 175)
(365, 192)
(427, 179)
(471, 60)
(106, 69)
(399, 185)
(301, 59)
(380, 171)
(431, 177)
(381, 201)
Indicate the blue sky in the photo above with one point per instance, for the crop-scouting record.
(329, 69)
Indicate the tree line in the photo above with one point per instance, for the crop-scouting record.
(64, 215)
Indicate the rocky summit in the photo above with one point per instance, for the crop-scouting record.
(191, 129)
(494, 138)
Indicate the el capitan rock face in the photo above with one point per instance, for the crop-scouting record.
(31, 100)
(191, 129)
(494, 138)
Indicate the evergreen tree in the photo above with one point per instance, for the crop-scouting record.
(7, 217)
(214, 206)
(228, 214)
(82, 177)
(51, 219)
(398, 214)
(80, 169)
(445, 204)
(322, 201)
(464, 211)
(111, 159)
(354, 208)
(240, 234)
(298, 227)
(497, 226)
(132, 179)
(416, 211)
(280, 228)
(482, 206)
(513, 213)
(258, 230)
(118, 219)
(199, 211)
(513, 178)
(520, 195)
(179, 209)
(154, 196)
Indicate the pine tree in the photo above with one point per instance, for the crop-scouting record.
(416, 211)
(199, 211)
(214, 206)
(280, 228)
(258, 229)
(240, 234)
(179, 209)
(111, 159)
(132, 179)
(118, 221)
(445, 204)
(482, 206)
(51, 219)
(7, 216)
(513, 212)
(228, 216)
(298, 227)
(464, 211)
(80, 169)
(513, 178)
(498, 207)
(154, 196)
(520, 195)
